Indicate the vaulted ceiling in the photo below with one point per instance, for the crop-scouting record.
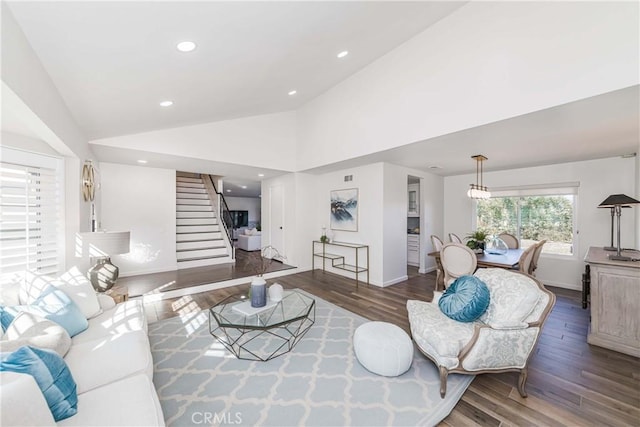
(114, 62)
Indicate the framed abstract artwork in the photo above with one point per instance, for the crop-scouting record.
(344, 209)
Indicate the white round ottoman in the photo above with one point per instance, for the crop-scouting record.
(383, 348)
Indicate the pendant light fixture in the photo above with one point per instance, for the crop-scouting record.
(477, 190)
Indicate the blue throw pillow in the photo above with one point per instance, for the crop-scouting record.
(51, 374)
(465, 300)
(52, 304)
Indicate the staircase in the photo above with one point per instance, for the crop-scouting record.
(200, 240)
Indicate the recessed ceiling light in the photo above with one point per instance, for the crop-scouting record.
(292, 92)
(142, 161)
(166, 103)
(435, 167)
(343, 54)
(260, 174)
(244, 186)
(186, 46)
(228, 191)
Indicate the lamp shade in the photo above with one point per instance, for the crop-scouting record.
(617, 200)
(106, 243)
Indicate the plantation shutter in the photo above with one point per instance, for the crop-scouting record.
(30, 213)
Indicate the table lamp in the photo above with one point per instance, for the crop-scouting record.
(616, 202)
(612, 248)
(101, 245)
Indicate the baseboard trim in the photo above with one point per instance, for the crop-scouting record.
(394, 281)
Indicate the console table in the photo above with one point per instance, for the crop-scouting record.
(615, 302)
(319, 249)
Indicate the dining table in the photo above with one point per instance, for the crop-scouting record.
(509, 260)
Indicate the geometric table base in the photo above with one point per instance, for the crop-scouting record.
(261, 344)
(266, 334)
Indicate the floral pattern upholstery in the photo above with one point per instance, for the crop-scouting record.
(442, 342)
(501, 349)
(513, 296)
(504, 338)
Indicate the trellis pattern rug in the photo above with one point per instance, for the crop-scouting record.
(319, 383)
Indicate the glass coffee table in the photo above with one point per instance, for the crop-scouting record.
(261, 333)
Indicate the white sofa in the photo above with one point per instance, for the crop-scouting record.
(251, 240)
(112, 366)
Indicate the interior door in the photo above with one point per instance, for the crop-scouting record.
(276, 215)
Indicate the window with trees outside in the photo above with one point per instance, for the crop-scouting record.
(532, 214)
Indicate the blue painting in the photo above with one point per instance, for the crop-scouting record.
(344, 209)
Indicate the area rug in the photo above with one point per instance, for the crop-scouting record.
(319, 383)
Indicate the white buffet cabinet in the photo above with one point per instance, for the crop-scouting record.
(615, 302)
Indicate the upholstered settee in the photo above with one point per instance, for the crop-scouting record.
(110, 362)
(501, 340)
(251, 240)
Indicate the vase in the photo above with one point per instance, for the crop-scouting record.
(258, 292)
(497, 246)
(103, 275)
(275, 292)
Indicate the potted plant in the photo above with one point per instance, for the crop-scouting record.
(476, 240)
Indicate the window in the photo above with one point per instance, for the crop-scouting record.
(31, 209)
(532, 214)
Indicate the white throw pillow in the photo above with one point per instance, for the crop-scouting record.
(81, 291)
(73, 283)
(10, 288)
(250, 231)
(32, 286)
(32, 330)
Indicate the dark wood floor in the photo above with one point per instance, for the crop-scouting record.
(180, 279)
(570, 382)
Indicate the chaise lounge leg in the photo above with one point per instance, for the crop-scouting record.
(521, 382)
(443, 381)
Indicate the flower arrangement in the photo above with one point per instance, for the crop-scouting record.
(260, 264)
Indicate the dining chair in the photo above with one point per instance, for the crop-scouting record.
(453, 238)
(536, 257)
(511, 240)
(437, 247)
(524, 264)
(457, 260)
(437, 243)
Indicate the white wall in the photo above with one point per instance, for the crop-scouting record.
(598, 179)
(485, 62)
(394, 224)
(25, 76)
(29, 92)
(251, 204)
(369, 182)
(267, 141)
(382, 193)
(431, 215)
(143, 201)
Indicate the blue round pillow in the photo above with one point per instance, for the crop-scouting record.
(465, 300)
